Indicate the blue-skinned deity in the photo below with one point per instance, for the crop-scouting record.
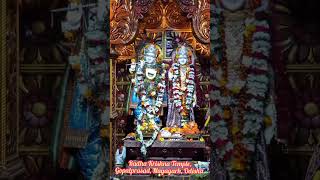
(148, 93)
(148, 83)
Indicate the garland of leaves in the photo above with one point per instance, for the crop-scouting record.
(152, 110)
(235, 139)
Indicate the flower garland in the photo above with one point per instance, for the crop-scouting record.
(177, 90)
(152, 110)
(238, 112)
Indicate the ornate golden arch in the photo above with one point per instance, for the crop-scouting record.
(129, 18)
(134, 21)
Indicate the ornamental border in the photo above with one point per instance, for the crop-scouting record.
(3, 81)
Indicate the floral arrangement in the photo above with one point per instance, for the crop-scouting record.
(147, 127)
(238, 100)
(190, 128)
(178, 93)
(173, 130)
(147, 121)
(131, 136)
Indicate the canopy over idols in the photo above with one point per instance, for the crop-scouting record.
(128, 18)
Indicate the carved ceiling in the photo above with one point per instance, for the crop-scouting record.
(130, 21)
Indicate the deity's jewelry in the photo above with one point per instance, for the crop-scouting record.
(183, 61)
(150, 53)
(149, 59)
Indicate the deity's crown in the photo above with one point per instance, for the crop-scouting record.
(183, 52)
(150, 50)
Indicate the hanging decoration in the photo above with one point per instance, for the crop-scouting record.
(239, 89)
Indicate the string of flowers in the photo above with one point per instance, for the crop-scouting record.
(152, 109)
(178, 93)
(235, 139)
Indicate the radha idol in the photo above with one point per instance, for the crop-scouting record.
(148, 94)
(182, 87)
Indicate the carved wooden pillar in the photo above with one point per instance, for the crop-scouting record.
(113, 140)
(11, 166)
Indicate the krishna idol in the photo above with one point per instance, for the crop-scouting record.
(148, 94)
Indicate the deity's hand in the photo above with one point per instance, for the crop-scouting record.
(132, 68)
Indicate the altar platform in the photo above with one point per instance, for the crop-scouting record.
(183, 150)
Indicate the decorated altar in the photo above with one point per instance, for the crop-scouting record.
(159, 81)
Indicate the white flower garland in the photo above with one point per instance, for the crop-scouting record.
(177, 91)
(256, 86)
(152, 110)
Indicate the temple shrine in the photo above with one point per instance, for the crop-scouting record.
(160, 81)
(159, 89)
